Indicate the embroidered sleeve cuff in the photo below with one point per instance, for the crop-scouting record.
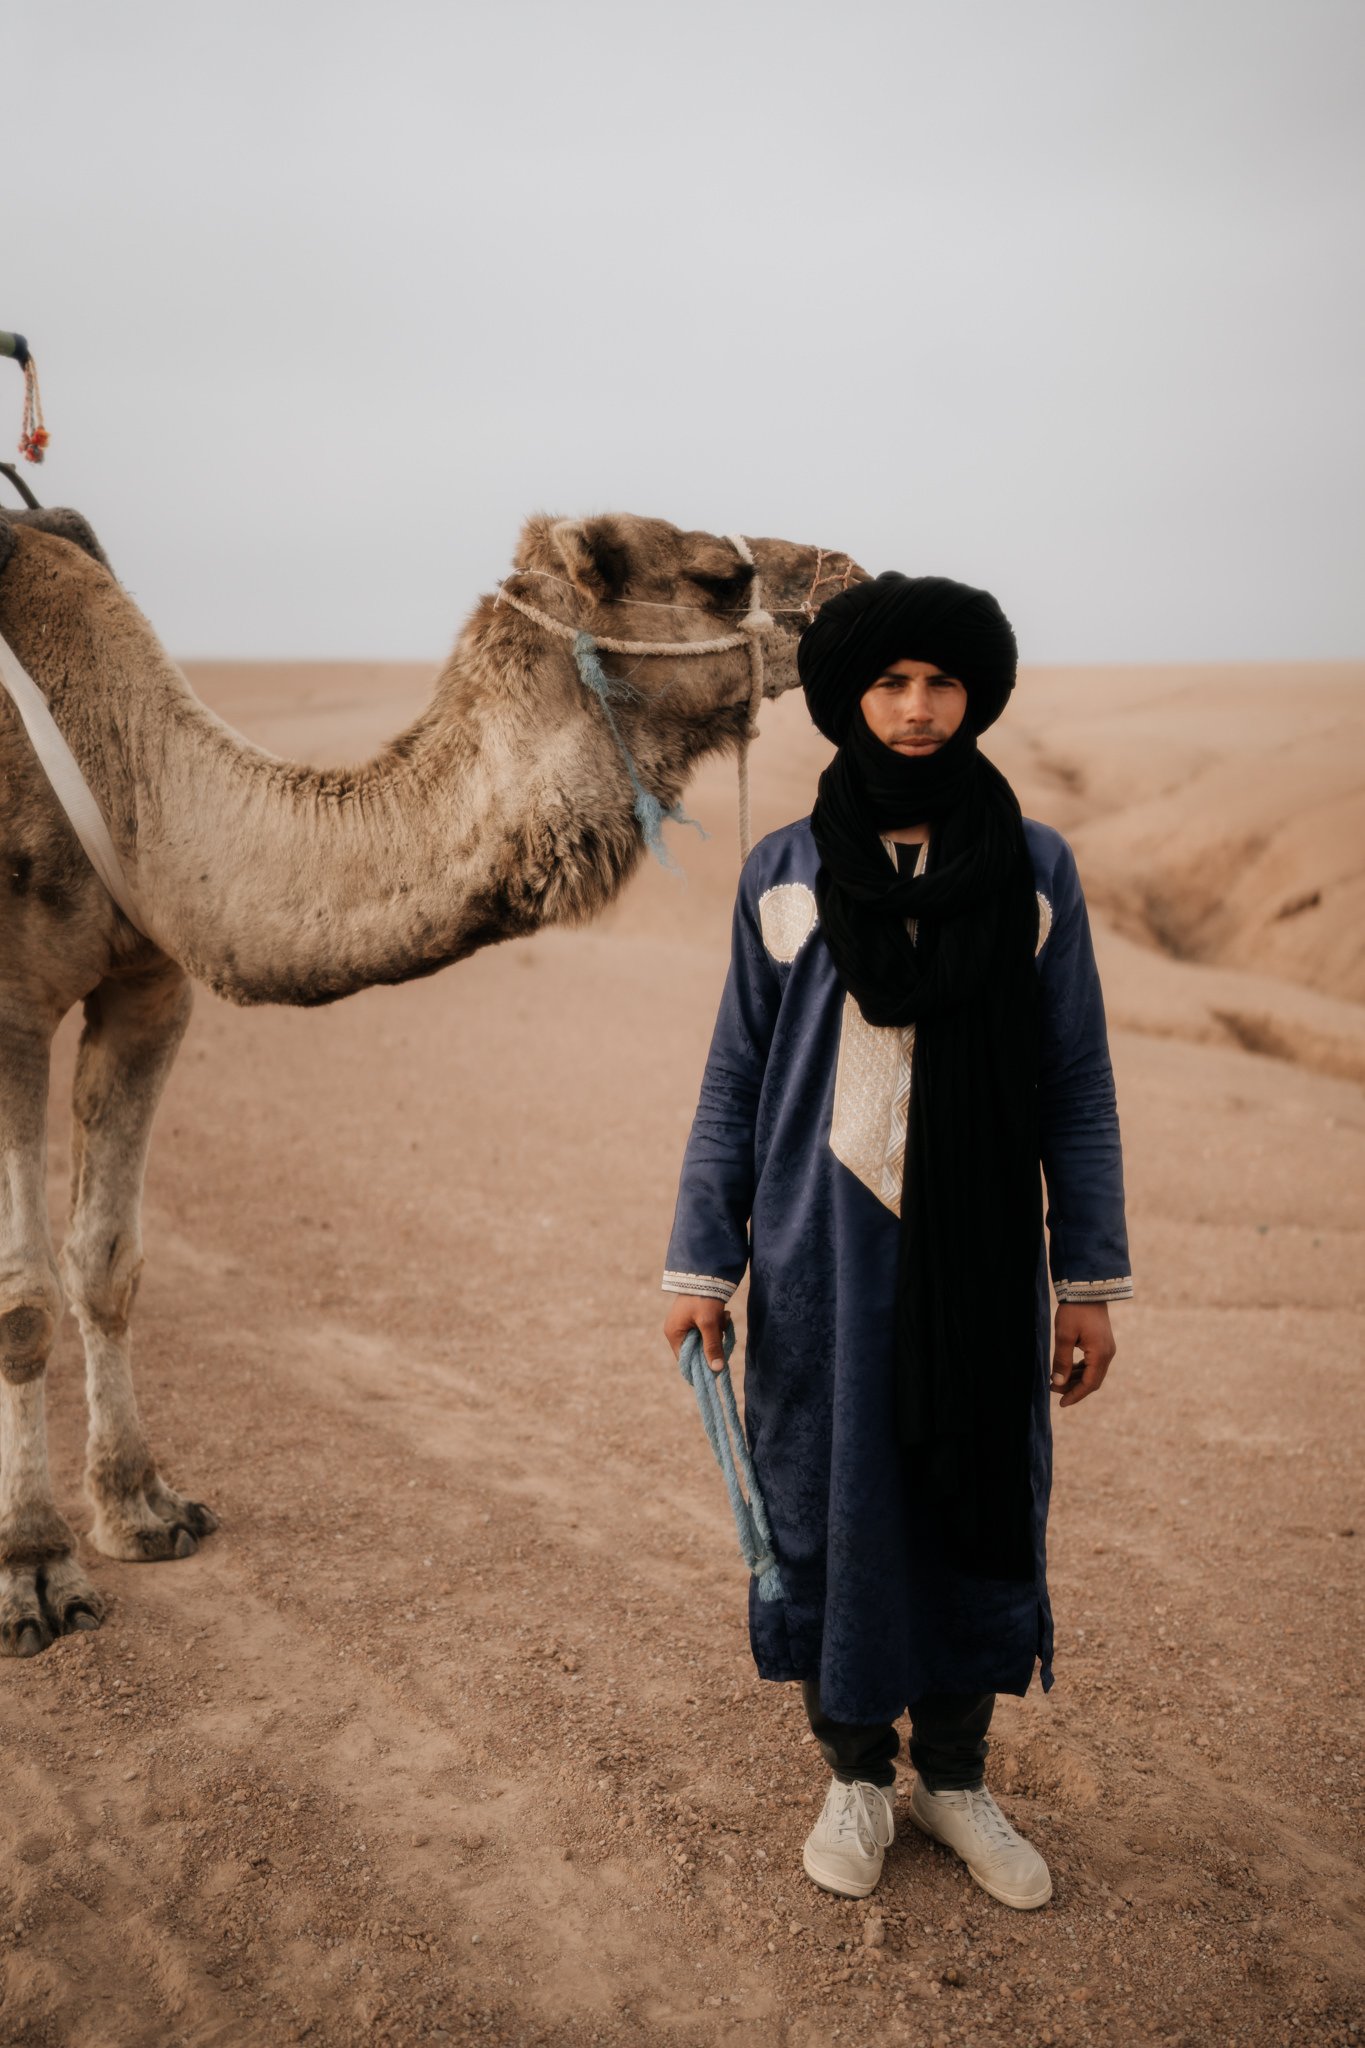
(1094, 1290)
(699, 1283)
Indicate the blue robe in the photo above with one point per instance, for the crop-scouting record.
(793, 1169)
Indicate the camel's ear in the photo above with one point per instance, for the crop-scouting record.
(6, 540)
(594, 555)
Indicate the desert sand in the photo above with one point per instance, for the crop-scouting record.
(452, 1732)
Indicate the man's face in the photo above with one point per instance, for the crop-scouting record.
(913, 707)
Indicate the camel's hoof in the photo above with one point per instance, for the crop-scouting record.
(154, 1546)
(150, 1525)
(42, 1602)
(25, 1623)
(69, 1600)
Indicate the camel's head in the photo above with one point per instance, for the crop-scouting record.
(626, 578)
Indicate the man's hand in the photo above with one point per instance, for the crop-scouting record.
(699, 1312)
(1081, 1326)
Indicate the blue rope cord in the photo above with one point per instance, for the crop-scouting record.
(720, 1419)
(648, 809)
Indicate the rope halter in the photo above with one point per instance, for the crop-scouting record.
(589, 647)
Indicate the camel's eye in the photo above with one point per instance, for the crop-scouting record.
(724, 590)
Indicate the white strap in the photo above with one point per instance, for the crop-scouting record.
(69, 786)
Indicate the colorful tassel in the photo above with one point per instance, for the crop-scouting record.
(34, 438)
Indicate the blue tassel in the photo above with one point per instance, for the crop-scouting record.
(649, 812)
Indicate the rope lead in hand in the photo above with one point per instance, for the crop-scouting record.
(720, 1419)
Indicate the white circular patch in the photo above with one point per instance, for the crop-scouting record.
(1044, 923)
(786, 917)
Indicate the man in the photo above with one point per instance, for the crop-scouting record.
(912, 1022)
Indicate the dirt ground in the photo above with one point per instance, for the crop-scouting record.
(452, 1731)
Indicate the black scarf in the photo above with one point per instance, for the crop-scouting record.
(971, 1209)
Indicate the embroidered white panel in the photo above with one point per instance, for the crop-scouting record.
(872, 1102)
(786, 917)
(872, 1092)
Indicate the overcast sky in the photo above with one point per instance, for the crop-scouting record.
(1063, 297)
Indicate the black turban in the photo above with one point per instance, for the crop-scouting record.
(858, 634)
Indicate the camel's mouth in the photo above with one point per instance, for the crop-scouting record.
(833, 573)
(794, 589)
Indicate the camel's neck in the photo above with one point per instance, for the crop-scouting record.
(504, 807)
(281, 883)
(467, 829)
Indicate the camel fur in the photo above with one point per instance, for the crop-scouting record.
(506, 806)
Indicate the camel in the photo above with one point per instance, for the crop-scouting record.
(506, 806)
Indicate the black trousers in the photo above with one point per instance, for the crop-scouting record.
(947, 1740)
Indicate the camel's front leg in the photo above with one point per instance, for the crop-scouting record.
(132, 1032)
(43, 1592)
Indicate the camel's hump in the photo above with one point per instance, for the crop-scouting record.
(58, 519)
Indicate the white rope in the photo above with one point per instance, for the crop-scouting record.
(637, 604)
(69, 786)
(805, 610)
(568, 632)
(755, 623)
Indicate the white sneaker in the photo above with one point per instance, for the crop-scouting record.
(1001, 1861)
(845, 1848)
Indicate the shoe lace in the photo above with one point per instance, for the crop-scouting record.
(861, 1810)
(988, 1818)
